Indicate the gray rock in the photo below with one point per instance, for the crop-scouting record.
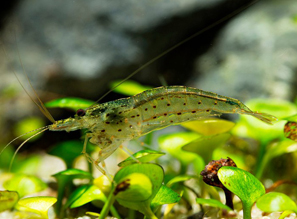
(255, 55)
(79, 47)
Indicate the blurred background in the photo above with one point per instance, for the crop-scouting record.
(77, 48)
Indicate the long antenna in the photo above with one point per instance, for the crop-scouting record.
(17, 150)
(177, 45)
(41, 106)
(45, 127)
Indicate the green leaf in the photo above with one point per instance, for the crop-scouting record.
(291, 118)
(29, 165)
(128, 88)
(72, 103)
(134, 187)
(103, 183)
(213, 203)
(285, 214)
(142, 156)
(278, 108)
(205, 146)
(279, 148)
(27, 125)
(209, 126)
(68, 151)
(173, 144)
(181, 178)
(275, 201)
(85, 194)
(92, 214)
(24, 184)
(165, 196)
(73, 173)
(276, 149)
(155, 174)
(243, 184)
(64, 178)
(38, 205)
(237, 156)
(8, 199)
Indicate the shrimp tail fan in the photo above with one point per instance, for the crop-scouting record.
(265, 117)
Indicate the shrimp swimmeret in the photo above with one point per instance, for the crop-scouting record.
(110, 124)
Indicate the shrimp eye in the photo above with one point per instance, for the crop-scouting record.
(80, 112)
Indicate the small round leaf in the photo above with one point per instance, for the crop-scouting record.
(173, 144)
(135, 187)
(275, 201)
(155, 174)
(165, 196)
(242, 183)
(209, 126)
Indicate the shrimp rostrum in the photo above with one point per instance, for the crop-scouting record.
(112, 123)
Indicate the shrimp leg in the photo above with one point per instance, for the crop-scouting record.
(91, 160)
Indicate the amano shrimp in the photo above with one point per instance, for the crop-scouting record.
(112, 123)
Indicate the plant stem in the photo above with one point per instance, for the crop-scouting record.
(58, 207)
(183, 168)
(247, 208)
(228, 197)
(114, 212)
(131, 214)
(107, 206)
(149, 214)
(262, 160)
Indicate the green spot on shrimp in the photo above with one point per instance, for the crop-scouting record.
(231, 102)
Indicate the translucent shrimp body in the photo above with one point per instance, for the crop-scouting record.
(112, 123)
